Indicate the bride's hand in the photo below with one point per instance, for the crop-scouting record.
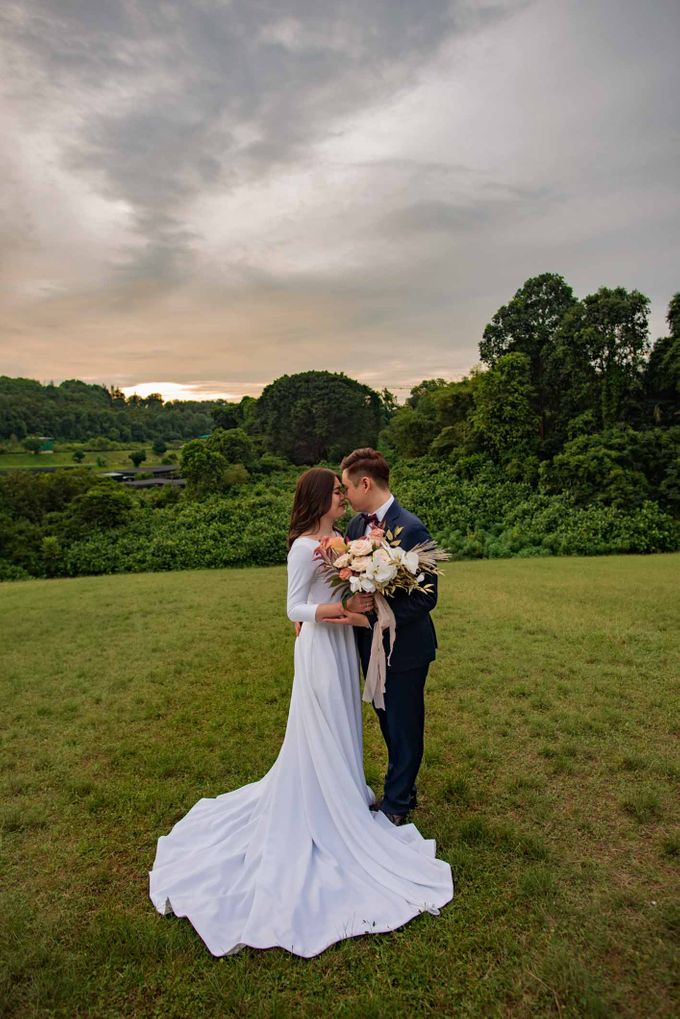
(351, 619)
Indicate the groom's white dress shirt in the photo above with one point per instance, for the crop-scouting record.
(380, 513)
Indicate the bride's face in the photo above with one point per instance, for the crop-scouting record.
(337, 500)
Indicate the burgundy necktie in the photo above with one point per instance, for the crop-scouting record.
(371, 519)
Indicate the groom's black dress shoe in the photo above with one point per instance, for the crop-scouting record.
(394, 818)
(412, 803)
(397, 818)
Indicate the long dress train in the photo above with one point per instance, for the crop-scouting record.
(296, 859)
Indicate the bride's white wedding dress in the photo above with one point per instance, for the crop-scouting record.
(297, 859)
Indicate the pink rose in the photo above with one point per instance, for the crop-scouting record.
(345, 574)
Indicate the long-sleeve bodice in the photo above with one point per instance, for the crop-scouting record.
(307, 585)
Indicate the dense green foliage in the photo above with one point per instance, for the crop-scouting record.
(567, 442)
(556, 368)
(68, 523)
(528, 325)
(317, 416)
(77, 410)
(491, 516)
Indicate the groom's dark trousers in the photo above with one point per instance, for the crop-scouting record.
(402, 721)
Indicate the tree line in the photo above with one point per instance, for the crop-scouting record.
(564, 440)
(570, 395)
(78, 411)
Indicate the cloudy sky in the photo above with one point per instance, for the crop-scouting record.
(207, 194)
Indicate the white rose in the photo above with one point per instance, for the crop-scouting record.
(342, 561)
(360, 546)
(367, 585)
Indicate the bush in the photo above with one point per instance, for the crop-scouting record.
(269, 463)
(8, 571)
(105, 505)
(235, 445)
(619, 467)
(108, 529)
(219, 531)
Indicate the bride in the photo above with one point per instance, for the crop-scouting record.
(297, 859)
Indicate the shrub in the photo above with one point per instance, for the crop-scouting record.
(108, 529)
(106, 504)
(9, 571)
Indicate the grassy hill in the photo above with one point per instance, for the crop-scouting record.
(549, 782)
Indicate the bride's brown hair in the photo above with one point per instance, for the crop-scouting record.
(313, 496)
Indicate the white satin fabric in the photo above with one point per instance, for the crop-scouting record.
(296, 859)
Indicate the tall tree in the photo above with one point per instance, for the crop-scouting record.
(662, 373)
(455, 405)
(528, 325)
(503, 415)
(389, 405)
(673, 316)
(227, 415)
(599, 355)
(202, 468)
(409, 433)
(235, 445)
(424, 390)
(318, 415)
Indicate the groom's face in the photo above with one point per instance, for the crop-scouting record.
(358, 491)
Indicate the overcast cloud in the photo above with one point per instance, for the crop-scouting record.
(213, 193)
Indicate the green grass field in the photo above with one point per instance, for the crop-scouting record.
(550, 783)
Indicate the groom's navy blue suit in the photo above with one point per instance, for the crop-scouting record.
(402, 721)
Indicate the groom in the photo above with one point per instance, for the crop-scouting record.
(365, 476)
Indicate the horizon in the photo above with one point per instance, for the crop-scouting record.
(178, 392)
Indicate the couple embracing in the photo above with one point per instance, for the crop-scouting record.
(307, 856)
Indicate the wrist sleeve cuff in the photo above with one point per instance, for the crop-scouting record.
(303, 613)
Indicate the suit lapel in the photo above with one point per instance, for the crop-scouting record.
(391, 518)
(352, 527)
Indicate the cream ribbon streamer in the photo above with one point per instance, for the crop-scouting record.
(374, 687)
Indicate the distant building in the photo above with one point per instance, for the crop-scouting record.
(161, 475)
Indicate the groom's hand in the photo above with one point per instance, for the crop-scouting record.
(351, 619)
(360, 602)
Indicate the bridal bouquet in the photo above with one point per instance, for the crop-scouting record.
(377, 565)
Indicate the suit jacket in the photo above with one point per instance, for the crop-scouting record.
(416, 641)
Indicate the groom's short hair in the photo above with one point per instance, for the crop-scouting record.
(367, 462)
